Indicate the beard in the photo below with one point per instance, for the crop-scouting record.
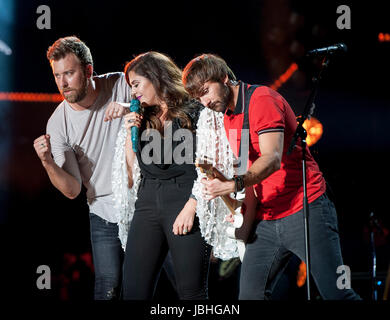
(76, 95)
(225, 98)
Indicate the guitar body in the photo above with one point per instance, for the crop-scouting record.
(243, 226)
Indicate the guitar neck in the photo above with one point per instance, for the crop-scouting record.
(212, 173)
(232, 204)
(218, 174)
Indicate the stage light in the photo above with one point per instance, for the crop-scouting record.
(7, 23)
(6, 43)
(384, 37)
(285, 76)
(30, 97)
(301, 276)
(314, 130)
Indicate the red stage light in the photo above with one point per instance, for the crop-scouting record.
(384, 37)
(30, 97)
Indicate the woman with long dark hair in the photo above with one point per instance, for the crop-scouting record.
(164, 213)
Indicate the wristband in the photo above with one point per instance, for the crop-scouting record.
(238, 183)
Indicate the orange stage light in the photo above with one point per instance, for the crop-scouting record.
(384, 37)
(285, 76)
(30, 97)
(314, 130)
(301, 276)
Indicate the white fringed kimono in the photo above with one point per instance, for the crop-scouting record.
(124, 197)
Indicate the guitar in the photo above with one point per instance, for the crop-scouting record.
(242, 228)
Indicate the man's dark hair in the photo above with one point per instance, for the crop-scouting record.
(66, 45)
(206, 67)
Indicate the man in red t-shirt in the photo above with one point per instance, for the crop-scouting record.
(276, 178)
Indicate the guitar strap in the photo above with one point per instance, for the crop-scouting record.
(246, 94)
(243, 153)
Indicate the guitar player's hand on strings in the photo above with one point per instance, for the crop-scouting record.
(215, 188)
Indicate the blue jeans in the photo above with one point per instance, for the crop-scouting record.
(266, 258)
(107, 255)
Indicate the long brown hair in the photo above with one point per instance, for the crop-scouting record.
(166, 78)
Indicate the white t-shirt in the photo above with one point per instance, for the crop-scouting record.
(83, 144)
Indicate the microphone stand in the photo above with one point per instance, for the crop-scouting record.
(300, 132)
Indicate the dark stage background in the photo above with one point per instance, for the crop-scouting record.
(259, 40)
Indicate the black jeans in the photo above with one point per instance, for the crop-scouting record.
(150, 237)
(266, 258)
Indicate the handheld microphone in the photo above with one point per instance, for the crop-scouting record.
(134, 107)
(337, 48)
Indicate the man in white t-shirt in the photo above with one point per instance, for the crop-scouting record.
(79, 146)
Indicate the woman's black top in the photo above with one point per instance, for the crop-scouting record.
(156, 154)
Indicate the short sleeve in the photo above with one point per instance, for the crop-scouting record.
(124, 90)
(63, 154)
(266, 114)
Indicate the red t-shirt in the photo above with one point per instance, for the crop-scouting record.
(281, 194)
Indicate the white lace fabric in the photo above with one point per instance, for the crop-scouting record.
(124, 197)
(213, 144)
